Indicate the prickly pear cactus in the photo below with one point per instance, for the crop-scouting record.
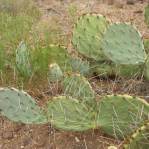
(78, 87)
(122, 44)
(80, 66)
(139, 139)
(18, 106)
(87, 35)
(55, 73)
(42, 58)
(69, 114)
(22, 60)
(119, 115)
(146, 14)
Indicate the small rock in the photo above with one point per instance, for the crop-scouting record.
(27, 141)
(77, 139)
(7, 135)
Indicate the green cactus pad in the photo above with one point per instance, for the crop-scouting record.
(18, 106)
(69, 114)
(139, 139)
(78, 87)
(119, 115)
(80, 66)
(123, 45)
(22, 60)
(87, 35)
(42, 58)
(55, 73)
(146, 14)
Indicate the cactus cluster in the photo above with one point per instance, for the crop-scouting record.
(117, 49)
(116, 115)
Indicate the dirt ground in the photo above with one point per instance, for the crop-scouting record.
(19, 136)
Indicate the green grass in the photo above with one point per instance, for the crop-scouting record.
(16, 20)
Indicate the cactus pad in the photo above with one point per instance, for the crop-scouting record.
(69, 114)
(123, 45)
(55, 73)
(139, 139)
(119, 115)
(87, 35)
(22, 60)
(78, 87)
(80, 66)
(18, 106)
